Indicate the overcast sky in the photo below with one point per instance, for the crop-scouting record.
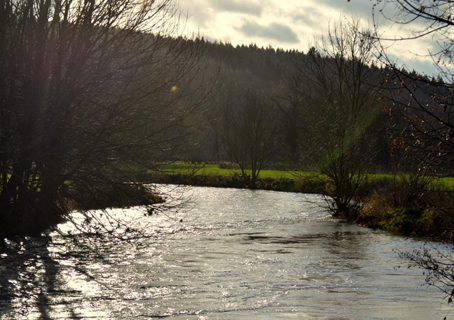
(288, 24)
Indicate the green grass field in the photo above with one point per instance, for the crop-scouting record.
(213, 169)
(446, 183)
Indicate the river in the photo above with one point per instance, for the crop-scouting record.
(221, 254)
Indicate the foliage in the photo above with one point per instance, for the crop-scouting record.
(113, 196)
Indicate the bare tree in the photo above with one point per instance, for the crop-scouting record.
(247, 130)
(293, 127)
(86, 100)
(425, 103)
(426, 106)
(341, 102)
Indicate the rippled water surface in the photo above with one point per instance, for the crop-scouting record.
(224, 254)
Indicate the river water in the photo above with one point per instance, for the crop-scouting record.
(220, 254)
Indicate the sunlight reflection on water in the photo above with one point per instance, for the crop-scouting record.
(220, 254)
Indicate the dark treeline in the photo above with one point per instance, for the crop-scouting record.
(305, 95)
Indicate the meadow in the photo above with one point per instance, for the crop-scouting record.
(229, 170)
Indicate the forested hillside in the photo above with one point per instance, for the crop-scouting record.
(291, 106)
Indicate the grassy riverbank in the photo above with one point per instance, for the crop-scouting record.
(400, 204)
(228, 176)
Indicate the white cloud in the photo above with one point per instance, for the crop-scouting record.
(307, 16)
(198, 13)
(246, 7)
(274, 31)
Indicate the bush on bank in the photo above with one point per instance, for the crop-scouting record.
(409, 207)
(121, 195)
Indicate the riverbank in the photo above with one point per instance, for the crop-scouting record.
(409, 207)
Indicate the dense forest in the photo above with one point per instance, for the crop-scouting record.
(282, 80)
(297, 97)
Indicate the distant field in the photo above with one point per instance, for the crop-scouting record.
(213, 169)
(446, 183)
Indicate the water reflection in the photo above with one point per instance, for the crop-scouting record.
(28, 280)
(236, 255)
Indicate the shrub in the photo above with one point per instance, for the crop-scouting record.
(409, 207)
(228, 165)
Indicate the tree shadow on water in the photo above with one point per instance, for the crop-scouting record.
(29, 282)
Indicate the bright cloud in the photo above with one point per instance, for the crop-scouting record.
(247, 7)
